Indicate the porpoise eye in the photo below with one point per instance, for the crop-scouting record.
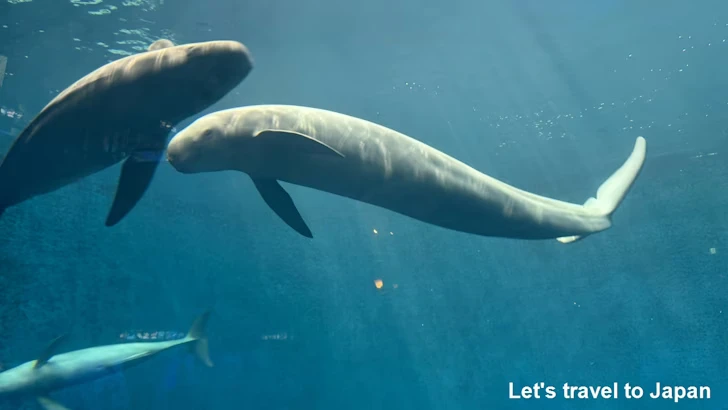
(207, 134)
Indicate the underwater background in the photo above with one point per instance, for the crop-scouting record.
(547, 96)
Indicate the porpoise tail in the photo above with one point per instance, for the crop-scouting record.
(197, 334)
(611, 193)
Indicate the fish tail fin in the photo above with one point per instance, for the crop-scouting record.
(199, 338)
(612, 192)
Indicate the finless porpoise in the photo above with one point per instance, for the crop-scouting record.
(361, 160)
(121, 111)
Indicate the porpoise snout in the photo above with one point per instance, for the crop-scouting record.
(238, 49)
(176, 155)
(232, 59)
(240, 56)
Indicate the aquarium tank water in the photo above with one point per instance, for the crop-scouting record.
(328, 205)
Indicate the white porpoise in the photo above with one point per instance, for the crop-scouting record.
(358, 159)
(52, 371)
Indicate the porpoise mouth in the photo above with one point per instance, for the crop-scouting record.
(179, 163)
(173, 159)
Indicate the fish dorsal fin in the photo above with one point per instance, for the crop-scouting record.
(295, 143)
(49, 351)
(49, 404)
(160, 44)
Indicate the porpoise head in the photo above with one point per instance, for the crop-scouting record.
(191, 77)
(208, 144)
(261, 141)
(223, 140)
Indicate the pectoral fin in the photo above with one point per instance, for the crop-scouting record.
(136, 175)
(291, 142)
(49, 351)
(281, 203)
(49, 404)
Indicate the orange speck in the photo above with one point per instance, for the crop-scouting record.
(378, 283)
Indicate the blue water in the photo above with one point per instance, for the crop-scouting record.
(548, 96)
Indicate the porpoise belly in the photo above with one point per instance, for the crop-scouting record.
(466, 206)
(60, 152)
(90, 126)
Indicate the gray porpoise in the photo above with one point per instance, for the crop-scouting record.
(123, 110)
(358, 159)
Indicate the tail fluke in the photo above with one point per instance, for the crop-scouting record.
(611, 193)
(197, 333)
